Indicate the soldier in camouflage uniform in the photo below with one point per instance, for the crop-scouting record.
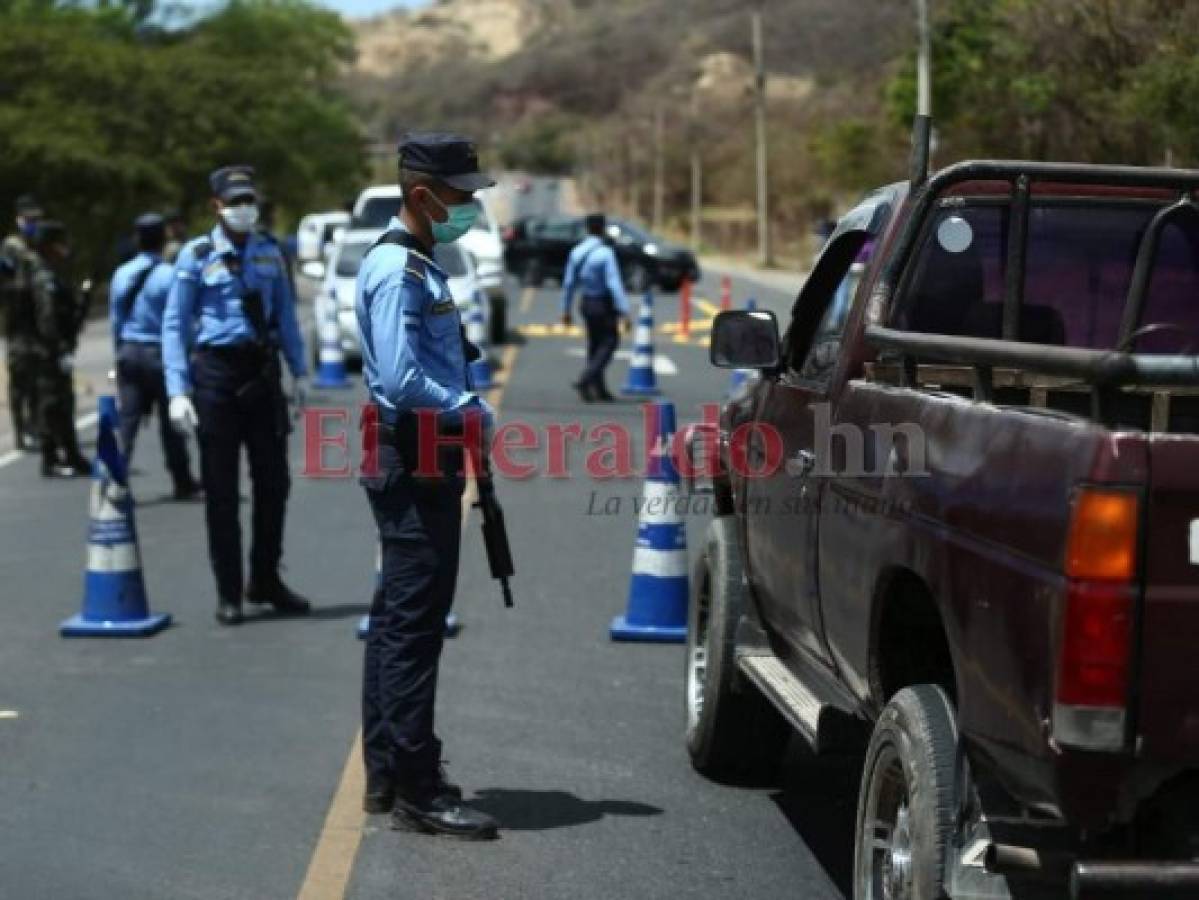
(59, 320)
(17, 265)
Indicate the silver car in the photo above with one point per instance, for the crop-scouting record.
(336, 292)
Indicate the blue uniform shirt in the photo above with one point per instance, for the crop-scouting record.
(412, 352)
(139, 319)
(593, 268)
(204, 306)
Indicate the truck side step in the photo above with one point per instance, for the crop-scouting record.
(802, 708)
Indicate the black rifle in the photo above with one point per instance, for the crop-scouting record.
(270, 379)
(495, 535)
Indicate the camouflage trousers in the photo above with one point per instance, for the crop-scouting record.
(23, 402)
(56, 395)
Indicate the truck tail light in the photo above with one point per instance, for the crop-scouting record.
(1094, 660)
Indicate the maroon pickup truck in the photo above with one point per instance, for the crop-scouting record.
(957, 531)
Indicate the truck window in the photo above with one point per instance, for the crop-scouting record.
(1078, 269)
(956, 286)
(377, 212)
(820, 312)
(1080, 263)
(821, 358)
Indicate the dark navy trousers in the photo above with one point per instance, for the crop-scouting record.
(143, 391)
(603, 337)
(240, 403)
(420, 531)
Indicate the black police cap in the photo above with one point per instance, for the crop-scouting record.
(450, 158)
(151, 228)
(233, 181)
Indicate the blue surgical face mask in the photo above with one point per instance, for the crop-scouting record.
(461, 217)
(27, 227)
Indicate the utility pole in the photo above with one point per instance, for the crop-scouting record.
(697, 172)
(765, 256)
(635, 179)
(924, 62)
(659, 174)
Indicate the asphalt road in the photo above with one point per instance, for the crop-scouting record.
(212, 763)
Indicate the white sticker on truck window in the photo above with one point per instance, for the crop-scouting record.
(1195, 542)
(955, 235)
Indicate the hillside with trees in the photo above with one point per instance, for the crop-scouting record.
(1100, 80)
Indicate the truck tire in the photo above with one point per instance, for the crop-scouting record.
(908, 800)
(732, 730)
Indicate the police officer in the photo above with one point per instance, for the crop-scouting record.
(59, 320)
(176, 229)
(230, 294)
(137, 296)
(414, 358)
(592, 269)
(18, 262)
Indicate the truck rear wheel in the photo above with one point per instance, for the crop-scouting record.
(908, 799)
(732, 730)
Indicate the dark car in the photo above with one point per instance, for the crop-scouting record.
(957, 533)
(537, 247)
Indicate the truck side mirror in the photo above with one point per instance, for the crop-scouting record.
(745, 339)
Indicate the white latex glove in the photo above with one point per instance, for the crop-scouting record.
(183, 414)
(299, 392)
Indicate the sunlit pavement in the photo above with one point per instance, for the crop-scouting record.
(212, 763)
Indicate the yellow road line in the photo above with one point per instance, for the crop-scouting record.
(333, 859)
(526, 299)
(336, 850)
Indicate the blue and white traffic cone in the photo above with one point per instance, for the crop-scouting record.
(452, 623)
(476, 333)
(331, 373)
(114, 592)
(657, 606)
(739, 378)
(641, 381)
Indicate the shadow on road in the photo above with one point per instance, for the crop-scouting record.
(519, 810)
(819, 797)
(319, 613)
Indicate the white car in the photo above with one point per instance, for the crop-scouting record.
(316, 231)
(336, 293)
(377, 205)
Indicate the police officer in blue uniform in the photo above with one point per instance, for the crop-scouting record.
(230, 297)
(592, 270)
(415, 358)
(137, 297)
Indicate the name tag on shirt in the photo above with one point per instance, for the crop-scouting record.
(441, 307)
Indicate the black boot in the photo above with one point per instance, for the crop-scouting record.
(380, 796)
(584, 389)
(188, 489)
(272, 590)
(441, 813)
(229, 613)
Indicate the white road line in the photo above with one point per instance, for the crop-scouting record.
(663, 365)
(9, 714)
(83, 422)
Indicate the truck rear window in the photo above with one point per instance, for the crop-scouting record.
(1078, 268)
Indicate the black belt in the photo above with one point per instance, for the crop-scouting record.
(242, 350)
(405, 429)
